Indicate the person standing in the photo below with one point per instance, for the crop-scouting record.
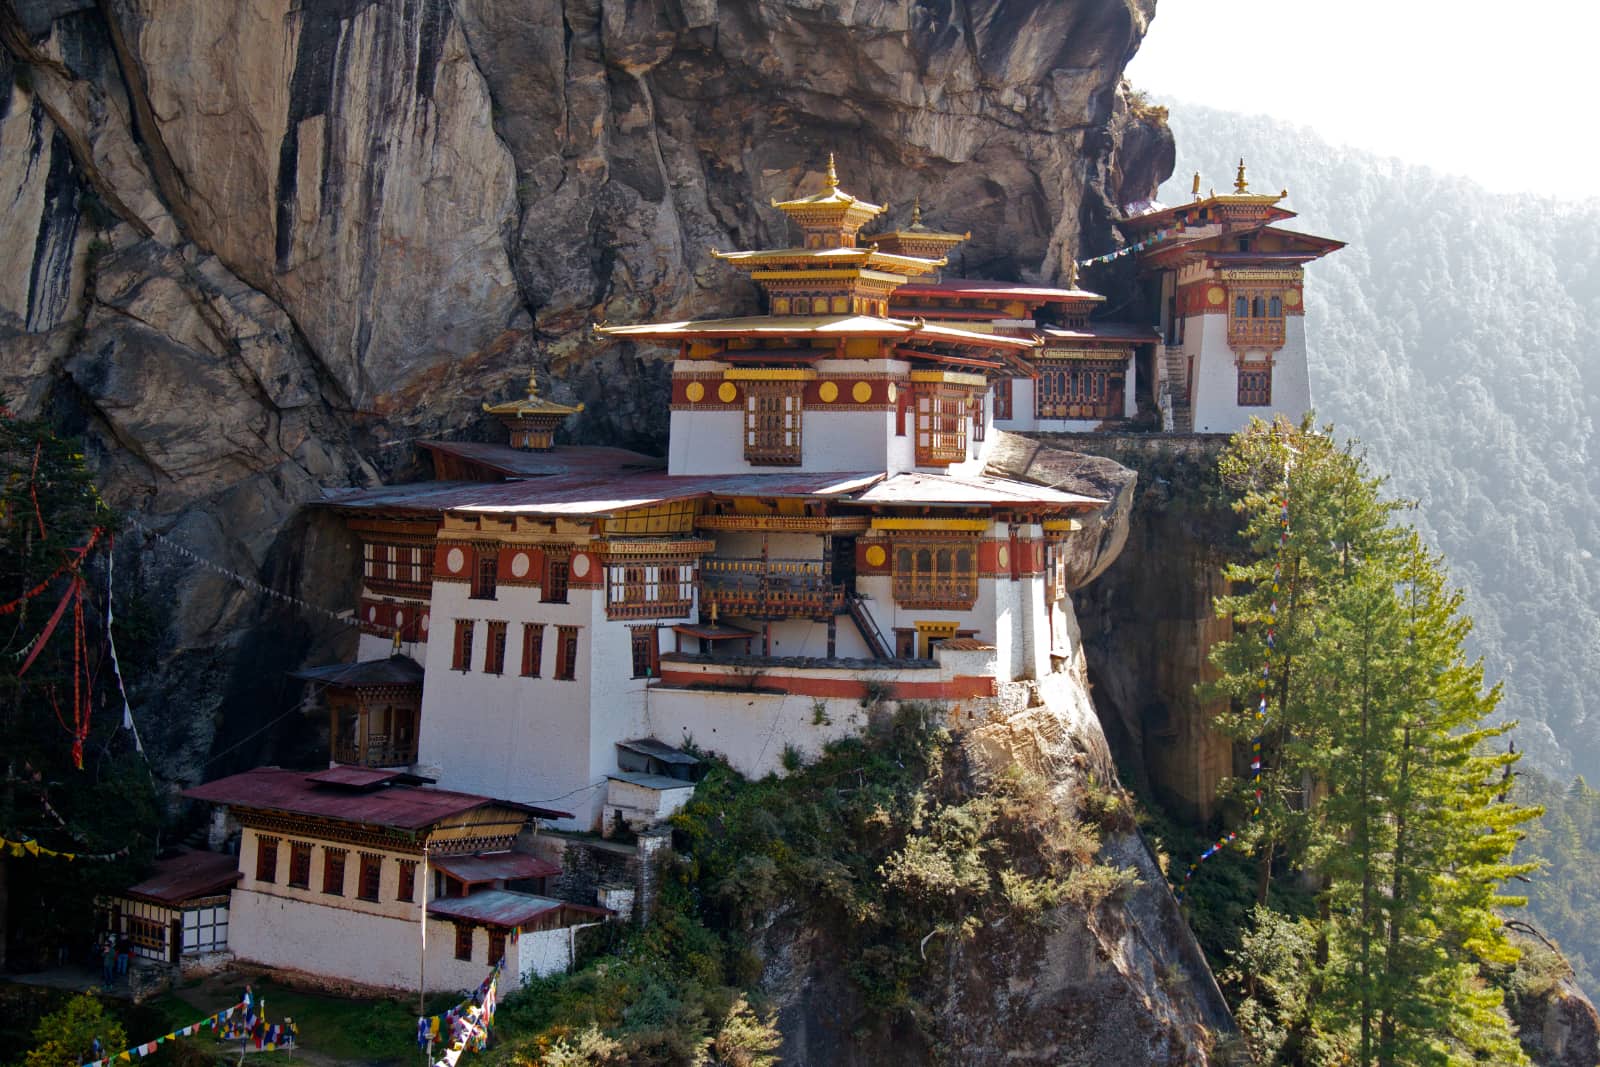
(108, 960)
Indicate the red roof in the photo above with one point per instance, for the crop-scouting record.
(977, 289)
(489, 867)
(522, 463)
(187, 876)
(363, 777)
(398, 807)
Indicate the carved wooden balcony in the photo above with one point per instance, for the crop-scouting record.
(1255, 332)
(770, 589)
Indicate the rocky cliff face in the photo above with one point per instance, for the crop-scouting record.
(261, 247)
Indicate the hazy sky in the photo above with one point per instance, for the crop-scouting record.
(1504, 93)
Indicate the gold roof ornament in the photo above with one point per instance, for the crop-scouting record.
(532, 421)
(1241, 186)
(1072, 272)
(1196, 189)
(533, 405)
(917, 239)
(832, 209)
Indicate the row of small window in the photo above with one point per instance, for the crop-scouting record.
(824, 305)
(552, 585)
(369, 870)
(774, 410)
(645, 646)
(494, 656)
(1258, 307)
(497, 943)
(405, 564)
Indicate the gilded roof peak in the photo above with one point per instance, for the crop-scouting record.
(533, 405)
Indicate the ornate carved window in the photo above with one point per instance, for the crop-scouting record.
(463, 942)
(494, 657)
(1256, 319)
(647, 589)
(1080, 389)
(772, 423)
(394, 567)
(941, 425)
(936, 573)
(462, 660)
(497, 945)
(1255, 385)
(532, 648)
(557, 570)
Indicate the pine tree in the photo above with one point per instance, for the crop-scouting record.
(1384, 781)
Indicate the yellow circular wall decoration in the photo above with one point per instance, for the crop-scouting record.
(1003, 556)
(829, 392)
(727, 392)
(1291, 299)
(1215, 296)
(892, 393)
(861, 392)
(876, 555)
(695, 392)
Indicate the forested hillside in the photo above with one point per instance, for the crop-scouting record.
(1456, 337)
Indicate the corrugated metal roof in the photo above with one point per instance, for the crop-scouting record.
(399, 807)
(505, 907)
(395, 670)
(976, 288)
(915, 488)
(966, 644)
(487, 867)
(186, 877)
(363, 777)
(649, 746)
(1104, 331)
(825, 326)
(585, 495)
(522, 463)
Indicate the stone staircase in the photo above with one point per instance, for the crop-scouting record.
(1175, 390)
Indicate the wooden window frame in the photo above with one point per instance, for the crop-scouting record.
(935, 572)
(267, 859)
(649, 589)
(645, 645)
(532, 648)
(566, 654)
(369, 877)
(1079, 389)
(485, 574)
(1002, 400)
(299, 865)
(557, 578)
(464, 942)
(773, 422)
(1255, 385)
(399, 567)
(494, 652)
(462, 654)
(497, 945)
(406, 889)
(333, 871)
(942, 414)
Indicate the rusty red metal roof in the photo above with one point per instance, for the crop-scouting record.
(187, 876)
(1102, 331)
(345, 775)
(505, 907)
(398, 807)
(488, 867)
(523, 463)
(978, 289)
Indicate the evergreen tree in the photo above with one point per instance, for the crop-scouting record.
(66, 1038)
(1381, 777)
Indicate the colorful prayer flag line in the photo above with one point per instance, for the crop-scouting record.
(1126, 250)
(29, 847)
(145, 1049)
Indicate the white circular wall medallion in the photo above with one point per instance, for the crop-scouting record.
(372, 613)
(455, 560)
(425, 624)
(580, 565)
(399, 617)
(519, 565)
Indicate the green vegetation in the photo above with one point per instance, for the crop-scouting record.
(65, 1038)
(1382, 791)
(1564, 893)
(103, 802)
(885, 844)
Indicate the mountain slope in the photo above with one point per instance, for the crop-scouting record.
(1454, 339)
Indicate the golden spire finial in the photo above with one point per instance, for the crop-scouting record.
(833, 175)
(533, 385)
(916, 212)
(1239, 184)
(1197, 185)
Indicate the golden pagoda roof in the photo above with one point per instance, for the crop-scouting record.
(867, 258)
(533, 405)
(831, 202)
(918, 231)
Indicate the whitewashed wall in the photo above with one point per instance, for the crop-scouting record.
(1216, 387)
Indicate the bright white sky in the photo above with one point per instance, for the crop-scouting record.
(1505, 93)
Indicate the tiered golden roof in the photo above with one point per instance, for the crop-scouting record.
(533, 420)
(831, 218)
(917, 239)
